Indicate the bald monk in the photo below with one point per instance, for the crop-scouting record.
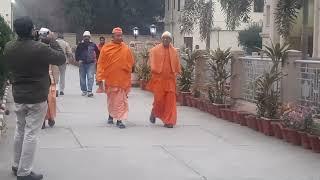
(114, 67)
(165, 65)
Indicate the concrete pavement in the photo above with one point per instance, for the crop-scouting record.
(83, 147)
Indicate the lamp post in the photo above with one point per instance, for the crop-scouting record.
(135, 32)
(153, 30)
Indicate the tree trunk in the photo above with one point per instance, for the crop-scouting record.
(305, 34)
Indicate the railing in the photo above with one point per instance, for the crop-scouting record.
(253, 68)
(308, 79)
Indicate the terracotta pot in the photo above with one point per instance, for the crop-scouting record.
(285, 134)
(223, 114)
(218, 107)
(259, 123)
(252, 122)
(267, 128)
(276, 127)
(235, 116)
(315, 143)
(294, 137)
(242, 118)
(183, 98)
(230, 115)
(305, 140)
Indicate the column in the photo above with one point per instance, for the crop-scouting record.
(274, 35)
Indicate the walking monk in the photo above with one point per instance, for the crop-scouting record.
(165, 65)
(114, 66)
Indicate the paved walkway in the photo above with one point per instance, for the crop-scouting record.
(83, 147)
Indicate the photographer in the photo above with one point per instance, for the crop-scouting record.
(28, 61)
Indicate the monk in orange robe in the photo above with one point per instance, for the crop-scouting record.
(114, 67)
(165, 66)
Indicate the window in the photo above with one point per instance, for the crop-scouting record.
(179, 8)
(258, 5)
(168, 5)
(268, 16)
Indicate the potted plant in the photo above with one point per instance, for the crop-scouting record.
(314, 133)
(298, 123)
(143, 69)
(185, 79)
(267, 88)
(218, 60)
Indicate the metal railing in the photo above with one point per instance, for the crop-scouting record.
(308, 79)
(253, 68)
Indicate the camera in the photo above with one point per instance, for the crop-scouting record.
(36, 35)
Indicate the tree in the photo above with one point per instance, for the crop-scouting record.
(250, 38)
(198, 12)
(236, 11)
(99, 16)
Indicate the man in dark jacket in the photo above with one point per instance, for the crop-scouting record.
(86, 54)
(28, 62)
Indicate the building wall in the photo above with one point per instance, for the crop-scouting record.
(5, 11)
(227, 38)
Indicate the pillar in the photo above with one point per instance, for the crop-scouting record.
(237, 74)
(289, 86)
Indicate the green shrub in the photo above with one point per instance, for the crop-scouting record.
(5, 36)
(250, 39)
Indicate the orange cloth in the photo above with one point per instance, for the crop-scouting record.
(115, 65)
(165, 65)
(118, 107)
(52, 103)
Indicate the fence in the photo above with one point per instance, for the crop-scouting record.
(308, 79)
(301, 82)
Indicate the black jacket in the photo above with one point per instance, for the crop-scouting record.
(28, 62)
(87, 52)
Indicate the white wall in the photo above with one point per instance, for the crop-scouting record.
(5, 10)
(227, 38)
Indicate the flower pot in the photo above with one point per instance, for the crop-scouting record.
(276, 127)
(267, 128)
(305, 141)
(235, 117)
(252, 122)
(242, 118)
(223, 114)
(259, 124)
(285, 134)
(230, 115)
(217, 108)
(315, 143)
(294, 137)
(183, 98)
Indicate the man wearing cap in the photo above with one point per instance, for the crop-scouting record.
(114, 67)
(28, 62)
(165, 65)
(86, 54)
(69, 56)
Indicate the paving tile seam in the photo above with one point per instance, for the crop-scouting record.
(183, 162)
(75, 137)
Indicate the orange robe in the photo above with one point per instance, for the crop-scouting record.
(52, 102)
(165, 66)
(114, 66)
